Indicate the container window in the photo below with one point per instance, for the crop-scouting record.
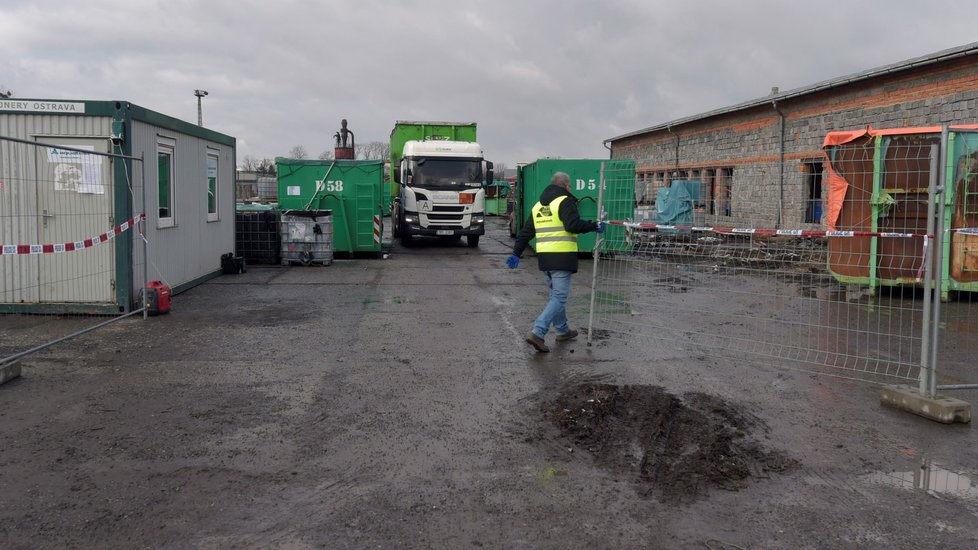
(164, 183)
(212, 179)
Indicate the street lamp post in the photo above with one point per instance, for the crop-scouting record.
(200, 114)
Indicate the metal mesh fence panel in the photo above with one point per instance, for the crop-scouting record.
(958, 275)
(777, 262)
(70, 239)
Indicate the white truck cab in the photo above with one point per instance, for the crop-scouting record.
(442, 191)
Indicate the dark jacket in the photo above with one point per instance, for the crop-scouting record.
(556, 261)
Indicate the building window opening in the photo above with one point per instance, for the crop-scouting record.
(813, 192)
(720, 192)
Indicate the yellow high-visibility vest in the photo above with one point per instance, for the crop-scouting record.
(551, 235)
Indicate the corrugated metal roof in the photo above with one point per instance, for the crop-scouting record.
(941, 56)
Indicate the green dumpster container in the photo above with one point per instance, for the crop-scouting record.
(350, 189)
(585, 178)
(496, 196)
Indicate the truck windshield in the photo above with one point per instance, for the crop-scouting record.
(447, 173)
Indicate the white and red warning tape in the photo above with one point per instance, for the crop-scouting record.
(12, 249)
(769, 232)
(630, 226)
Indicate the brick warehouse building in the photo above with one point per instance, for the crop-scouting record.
(761, 161)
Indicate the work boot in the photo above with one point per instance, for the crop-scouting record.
(569, 335)
(537, 342)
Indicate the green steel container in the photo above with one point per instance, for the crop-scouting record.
(496, 196)
(351, 189)
(887, 175)
(585, 178)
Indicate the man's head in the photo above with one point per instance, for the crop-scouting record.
(561, 179)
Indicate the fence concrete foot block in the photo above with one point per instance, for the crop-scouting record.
(947, 410)
(9, 372)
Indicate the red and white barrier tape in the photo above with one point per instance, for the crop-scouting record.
(376, 229)
(12, 249)
(769, 232)
(629, 226)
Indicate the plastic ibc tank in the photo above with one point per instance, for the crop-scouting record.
(267, 188)
(307, 237)
(258, 238)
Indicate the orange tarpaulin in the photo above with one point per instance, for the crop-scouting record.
(837, 194)
(840, 138)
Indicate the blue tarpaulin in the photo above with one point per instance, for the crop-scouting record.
(674, 205)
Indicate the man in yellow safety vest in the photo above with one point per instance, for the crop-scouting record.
(556, 224)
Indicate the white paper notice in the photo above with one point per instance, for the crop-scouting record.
(77, 171)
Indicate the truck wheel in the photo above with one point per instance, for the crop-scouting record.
(512, 225)
(473, 241)
(406, 239)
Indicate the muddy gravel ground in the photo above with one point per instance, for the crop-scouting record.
(392, 403)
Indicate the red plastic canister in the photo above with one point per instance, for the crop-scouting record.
(157, 297)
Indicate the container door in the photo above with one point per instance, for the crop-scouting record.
(18, 222)
(963, 183)
(75, 203)
(900, 206)
(849, 258)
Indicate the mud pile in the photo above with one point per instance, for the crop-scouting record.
(677, 449)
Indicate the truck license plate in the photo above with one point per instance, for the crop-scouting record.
(444, 232)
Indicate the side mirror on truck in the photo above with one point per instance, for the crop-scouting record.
(405, 173)
(489, 173)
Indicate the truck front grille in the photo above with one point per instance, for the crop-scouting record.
(445, 217)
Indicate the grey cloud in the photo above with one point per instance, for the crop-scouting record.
(542, 78)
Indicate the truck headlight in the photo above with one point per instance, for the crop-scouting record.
(478, 220)
(411, 219)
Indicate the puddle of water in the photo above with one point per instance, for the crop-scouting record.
(930, 478)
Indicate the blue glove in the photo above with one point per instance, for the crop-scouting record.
(513, 261)
(600, 227)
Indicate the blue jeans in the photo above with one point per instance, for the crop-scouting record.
(555, 313)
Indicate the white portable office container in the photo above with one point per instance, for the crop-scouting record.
(73, 176)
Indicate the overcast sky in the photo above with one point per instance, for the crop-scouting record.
(541, 78)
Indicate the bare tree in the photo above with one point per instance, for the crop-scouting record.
(328, 154)
(298, 152)
(266, 167)
(385, 150)
(373, 150)
(249, 164)
(262, 167)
